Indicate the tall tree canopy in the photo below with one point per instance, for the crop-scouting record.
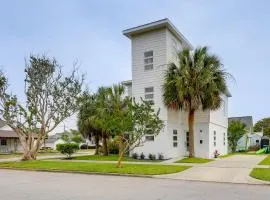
(236, 130)
(51, 97)
(263, 125)
(196, 82)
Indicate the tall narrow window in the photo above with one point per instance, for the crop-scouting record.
(175, 143)
(149, 94)
(215, 138)
(187, 139)
(224, 139)
(148, 60)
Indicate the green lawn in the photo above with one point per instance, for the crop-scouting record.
(261, 173)
(266, 161)
(110, 158)
(240, 153)
(194, 160)
(9, 155)
(136, 169)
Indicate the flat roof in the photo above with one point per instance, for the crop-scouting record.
(163, 23)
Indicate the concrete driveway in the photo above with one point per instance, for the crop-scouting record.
(234, 169)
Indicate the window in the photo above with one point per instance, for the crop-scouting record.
(149, 138)
(148, 60)
(224, 139)
(215, 138)
(149, 93)
(201, 131)
(201, 141)
(3, 142)
(175, 143)
(187, 139)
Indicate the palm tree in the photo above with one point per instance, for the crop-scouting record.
(236, 130)
(87, 111)
(197, 82)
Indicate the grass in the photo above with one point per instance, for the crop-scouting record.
(240, 153)
(194, 160)
(261, 173)
(110, 158)
(135, 169)
(266, 161)
(9, 155)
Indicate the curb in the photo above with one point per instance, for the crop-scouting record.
(78, 172)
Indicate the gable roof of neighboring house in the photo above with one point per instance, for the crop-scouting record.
(163, 23)
(247, 120)
(8, 134)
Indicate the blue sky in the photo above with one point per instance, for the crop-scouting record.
(90, 31)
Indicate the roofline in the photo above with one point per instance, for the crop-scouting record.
(128, 82)
(163, 23)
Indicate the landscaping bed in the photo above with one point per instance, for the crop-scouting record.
(194, 160)
(261, 173)
(112, 157)
(106, 168)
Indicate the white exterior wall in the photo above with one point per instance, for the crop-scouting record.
(165, 47)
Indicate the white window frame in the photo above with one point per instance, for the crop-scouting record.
(149, 94)
(148, 60)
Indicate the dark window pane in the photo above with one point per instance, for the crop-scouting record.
(175, 138)
(148, 54)
(175, 144)
(174, 132)
(201, 141)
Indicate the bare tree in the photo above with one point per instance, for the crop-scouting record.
(51, 97)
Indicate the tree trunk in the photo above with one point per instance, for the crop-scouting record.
(191, 132)
(27, 155)
(105, 145)
(97, 143)
(121, 153)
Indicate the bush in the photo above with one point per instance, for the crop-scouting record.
(113, 147)
(152, 156)
(84, 146)
(67, 149)
(134, 155)
(160, 156)
(142, 156)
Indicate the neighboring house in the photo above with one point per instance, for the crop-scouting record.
(249, 140)
(53, 140)
(153, 47)
(9, 140)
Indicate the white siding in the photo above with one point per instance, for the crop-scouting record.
(165, 48)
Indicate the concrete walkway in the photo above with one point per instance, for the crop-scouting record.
(234, 169)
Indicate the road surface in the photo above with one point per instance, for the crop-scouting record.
(25, 185)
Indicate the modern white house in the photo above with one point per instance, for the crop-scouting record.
(153, 47)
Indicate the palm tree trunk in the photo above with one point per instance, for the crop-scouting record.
(97, 143)
(191, 132)
(105, 145)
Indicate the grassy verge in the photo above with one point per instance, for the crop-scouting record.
(110, 158)
(240, 153)
(135, 169)
(261, 173)
(9, 155)
(194, 160)
(266, 161)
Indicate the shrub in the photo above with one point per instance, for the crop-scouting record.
(84, 146)
(152, 156)
(134, 155)
(142, 156)
(67, 149)
(113, 147)
(160, 156)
